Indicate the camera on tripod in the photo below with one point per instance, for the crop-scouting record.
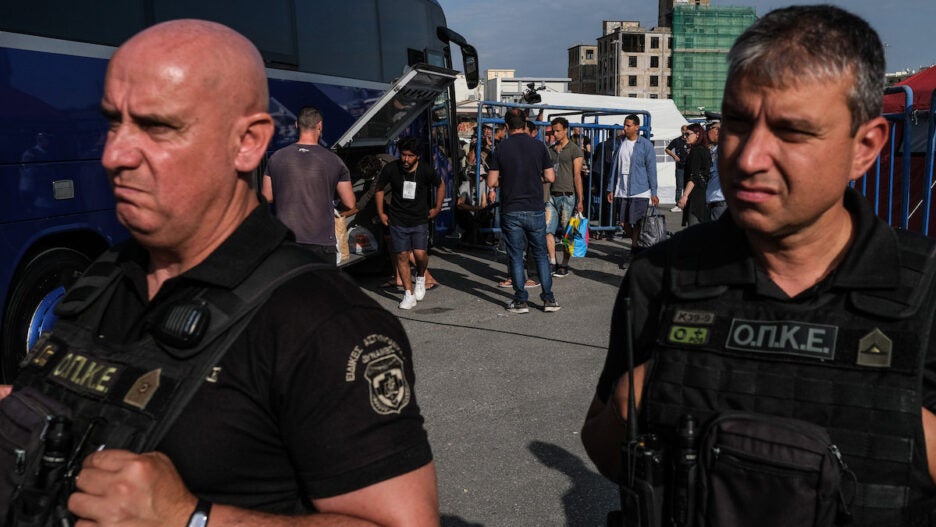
(530, 96)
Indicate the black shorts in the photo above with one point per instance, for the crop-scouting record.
(633, 209)
(403, 239)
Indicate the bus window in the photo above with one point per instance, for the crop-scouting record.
(270, 25)
(95, 21)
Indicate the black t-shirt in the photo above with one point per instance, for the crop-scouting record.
(521, 161)
(314, 399)
(680, 147)
(413, 211)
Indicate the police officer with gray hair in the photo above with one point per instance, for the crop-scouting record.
(782, 365)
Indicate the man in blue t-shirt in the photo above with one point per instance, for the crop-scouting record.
(520, 166)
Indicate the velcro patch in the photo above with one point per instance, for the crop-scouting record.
(688, 335)
(87, 374)
(701, 318)
(788, 337)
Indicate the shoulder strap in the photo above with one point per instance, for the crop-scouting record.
(230, 313)
(91, 285)
(917, 267)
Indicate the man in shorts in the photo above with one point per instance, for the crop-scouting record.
(633, 182)
(565, 194)
(409, 215)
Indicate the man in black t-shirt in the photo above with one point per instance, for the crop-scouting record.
(520, 166)
(409, 215)
(309, 417)
(678, 149)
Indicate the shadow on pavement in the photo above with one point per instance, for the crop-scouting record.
(583, 502)
(454, 521)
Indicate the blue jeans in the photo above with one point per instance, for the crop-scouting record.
(527, 226)
(563, 208)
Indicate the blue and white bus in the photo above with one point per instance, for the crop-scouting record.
(387, 62)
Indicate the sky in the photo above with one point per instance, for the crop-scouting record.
(533, 36)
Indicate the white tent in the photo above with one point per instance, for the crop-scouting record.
(665, 119)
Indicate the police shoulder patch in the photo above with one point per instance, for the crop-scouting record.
(383, 369)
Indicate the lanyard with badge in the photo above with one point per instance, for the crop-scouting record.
(409, 187)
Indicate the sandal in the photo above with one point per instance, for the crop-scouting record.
(509, 283)
(390, 284)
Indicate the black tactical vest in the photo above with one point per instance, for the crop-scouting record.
(851, 361)
(126, 396)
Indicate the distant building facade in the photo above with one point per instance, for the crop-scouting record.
(702, 36)
(583, 69)
(495, 73)
(667, 7)
(634, 61)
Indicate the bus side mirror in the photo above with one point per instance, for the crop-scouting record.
(469, 54)
(470, 61)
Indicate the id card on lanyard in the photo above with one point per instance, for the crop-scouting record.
(409, 188)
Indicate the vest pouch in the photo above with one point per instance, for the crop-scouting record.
(27, 418)
(769, 471)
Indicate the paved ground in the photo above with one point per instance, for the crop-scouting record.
(504, 395)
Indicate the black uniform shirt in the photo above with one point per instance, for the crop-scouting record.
(314, 399)
(871, 262)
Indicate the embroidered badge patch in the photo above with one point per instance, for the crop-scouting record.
(382, 361)
(700, 318)
(143, 389)
(787, 337)
(388, 387)
(86, 373)
(874, 350)
(688, 335)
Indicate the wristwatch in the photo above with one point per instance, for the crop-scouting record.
(199, 518)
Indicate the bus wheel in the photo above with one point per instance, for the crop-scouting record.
(36, 290)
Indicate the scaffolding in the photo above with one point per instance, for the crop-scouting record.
(702, 36)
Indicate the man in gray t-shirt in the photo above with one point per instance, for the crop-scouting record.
(304, 177)
(565, 194)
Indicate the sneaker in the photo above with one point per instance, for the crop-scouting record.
(518, 307)
(551, 306)
(420, 289)
(676, 209)
(409, 301)
(561, 270)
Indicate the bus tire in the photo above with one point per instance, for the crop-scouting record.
(36, 290)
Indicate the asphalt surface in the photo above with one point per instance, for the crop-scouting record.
(503, 394)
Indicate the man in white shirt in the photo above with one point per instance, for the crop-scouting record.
(633, 183)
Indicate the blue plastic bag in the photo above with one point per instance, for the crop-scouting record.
(575, 239)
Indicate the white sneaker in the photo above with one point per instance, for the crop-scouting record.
(409, 301)
(676, 209)
(420, 288)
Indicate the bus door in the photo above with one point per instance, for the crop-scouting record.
(409, 100)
